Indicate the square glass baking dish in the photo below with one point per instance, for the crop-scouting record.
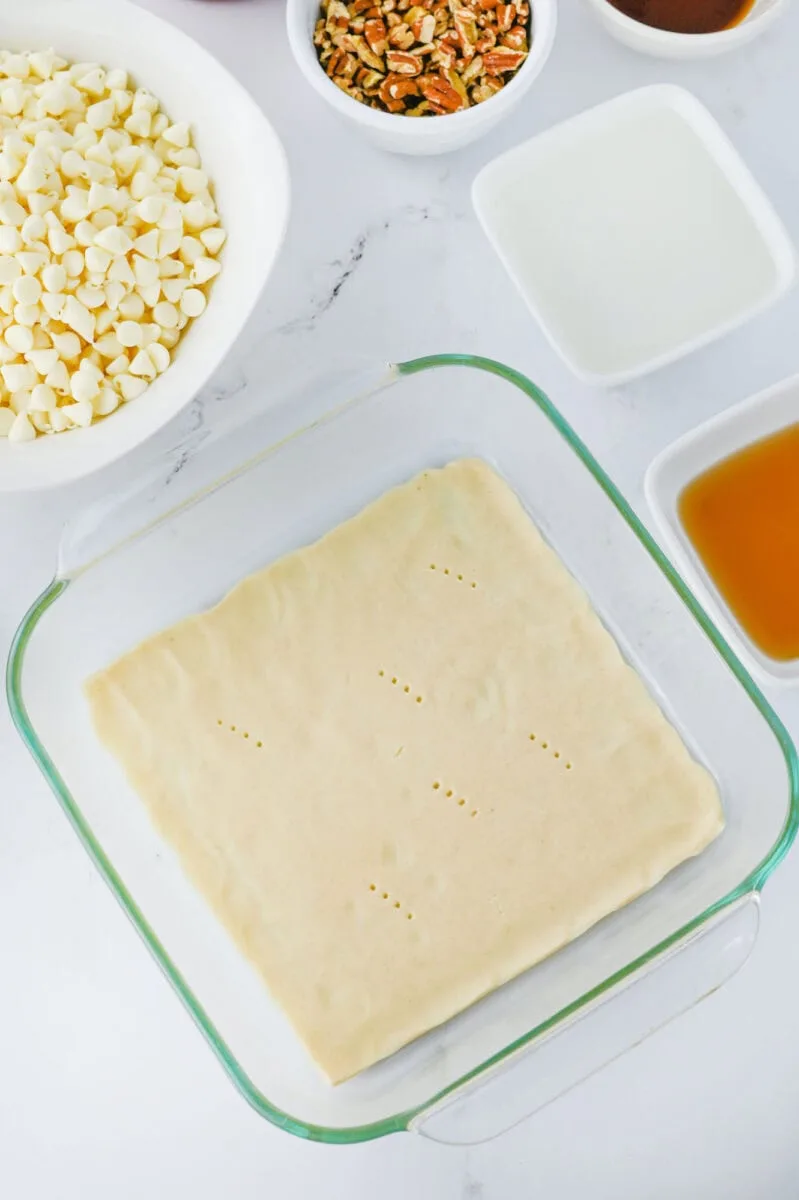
(141, 561)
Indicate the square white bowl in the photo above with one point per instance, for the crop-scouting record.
(680, 463)
(635, 233)
(246, 163)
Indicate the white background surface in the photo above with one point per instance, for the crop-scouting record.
(106, 1089)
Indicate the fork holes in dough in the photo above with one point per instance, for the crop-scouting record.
(555, 753)
(372, 887)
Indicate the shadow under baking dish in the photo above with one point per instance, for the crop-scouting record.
(134, 566)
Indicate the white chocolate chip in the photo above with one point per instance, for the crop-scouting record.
(204, 269)
(54, 277)
(21, 429)
(143, 365)
(131, 307)
(166, 314)
(80, 413)
(27, 290)
(19, 338)
(119, 366)
(159, 355)
(129, 333)
(43, 398)
(130, 387)
(192, 302)
(67, 345)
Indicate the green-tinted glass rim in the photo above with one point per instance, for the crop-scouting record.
(402, 1120)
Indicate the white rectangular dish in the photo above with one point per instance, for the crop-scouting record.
(680, 463)
(635, 233)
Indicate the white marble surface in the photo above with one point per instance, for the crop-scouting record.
(106, 1089)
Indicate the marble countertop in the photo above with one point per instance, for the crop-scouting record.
(106, 1089)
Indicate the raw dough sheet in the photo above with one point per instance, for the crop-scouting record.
(405, 764)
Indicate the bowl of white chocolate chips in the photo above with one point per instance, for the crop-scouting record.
(136, 203)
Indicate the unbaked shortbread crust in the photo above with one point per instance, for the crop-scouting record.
(405, 764)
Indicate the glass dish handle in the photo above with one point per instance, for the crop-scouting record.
(541, 1072)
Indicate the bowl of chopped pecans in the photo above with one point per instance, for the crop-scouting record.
(380, 62)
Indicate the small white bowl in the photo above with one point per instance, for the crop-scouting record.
(635, 233)
(428, 135)
(247, 165)
(663, 44)
(679, 464)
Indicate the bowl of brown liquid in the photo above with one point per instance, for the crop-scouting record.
(686, 28)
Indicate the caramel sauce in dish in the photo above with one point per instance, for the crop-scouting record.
(687, 16)
(742, 517)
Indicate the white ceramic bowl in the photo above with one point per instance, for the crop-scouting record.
(680, 463)
(431, 135)
(663, 44)
(248, 167)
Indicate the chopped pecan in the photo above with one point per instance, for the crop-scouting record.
(472, 70)
(376, 35)
(485, 90)
(506, 15)
(400, 37)
(456, 82)
(424, 29)
(440, 92)
(466, 28)
(370, 80)
(502, 59)
(366, 55)
(397, 87)
(515, 38)
(444, 56)
(403, 63)
(338, 16)
(486, 41)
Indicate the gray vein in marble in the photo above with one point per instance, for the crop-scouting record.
(194, 430)
(346, 267)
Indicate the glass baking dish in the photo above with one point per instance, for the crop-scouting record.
(141, 561)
